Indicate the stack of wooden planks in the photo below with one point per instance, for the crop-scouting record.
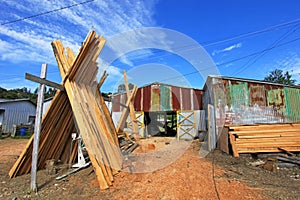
(264, 138)
(55, 137)
(82, 106)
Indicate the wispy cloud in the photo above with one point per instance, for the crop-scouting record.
(226, 49)
(290, 63)
(30, 39)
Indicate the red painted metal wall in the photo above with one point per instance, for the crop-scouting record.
(150, 98)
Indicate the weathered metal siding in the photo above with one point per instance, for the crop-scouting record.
(242, 102)
(186, 99)
(239, 94)
(146, 100)
(176, 98)
(16, 112)
(292, 98)
(138, 99)
(162, 97)
(257, 95)
(197, 100)
(165, 100)
(116, 106)
(155, 98)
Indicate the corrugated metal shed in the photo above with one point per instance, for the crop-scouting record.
(162, 97)
(246, 101)
(17, 112)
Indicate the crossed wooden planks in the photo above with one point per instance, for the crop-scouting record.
(82, 102)
(264, 138)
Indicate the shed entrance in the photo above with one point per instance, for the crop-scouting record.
(162, 123)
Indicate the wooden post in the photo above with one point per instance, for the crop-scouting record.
(135, 127)
(37, 129)
(212, 138)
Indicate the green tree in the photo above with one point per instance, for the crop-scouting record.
(122, 89)
(278, 76)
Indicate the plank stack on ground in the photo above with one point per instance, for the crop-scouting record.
(264, 138)
(82, 106)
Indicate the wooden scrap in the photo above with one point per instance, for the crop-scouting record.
(289, 160)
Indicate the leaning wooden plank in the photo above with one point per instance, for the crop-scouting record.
(77, 74)
(102, 79)
(99, 173)
(111, 149)
(134, 124)
(125, 112)
(15, 168)
(52, 128)
(105, 112)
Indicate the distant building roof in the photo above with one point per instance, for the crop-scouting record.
(14, 100)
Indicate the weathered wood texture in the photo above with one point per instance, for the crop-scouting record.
(264, 138)
(85, 107)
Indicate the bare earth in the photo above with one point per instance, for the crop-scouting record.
(218, 176)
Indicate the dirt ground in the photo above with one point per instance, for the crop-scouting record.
(217, 176)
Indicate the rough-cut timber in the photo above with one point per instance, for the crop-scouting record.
(264, 138)
(55, 137)
(83, 103)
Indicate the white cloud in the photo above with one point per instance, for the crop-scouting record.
(30, 40)
(226, 49)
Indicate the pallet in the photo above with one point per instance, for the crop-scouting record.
(264, 138)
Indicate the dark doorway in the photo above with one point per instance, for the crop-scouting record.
(163, 123)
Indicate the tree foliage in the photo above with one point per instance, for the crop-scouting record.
(25, 93)
(122, 89)
(278, 76)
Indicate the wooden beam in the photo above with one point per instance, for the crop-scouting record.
(135, 127)
(125, 112)
(43, 81)
(104, 76)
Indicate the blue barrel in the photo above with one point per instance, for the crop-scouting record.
(22, 131)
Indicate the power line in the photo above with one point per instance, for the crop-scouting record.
(253, 33)
(281, 38)
(246, 35)
(234, 60)
(47, 12)
(230, 61)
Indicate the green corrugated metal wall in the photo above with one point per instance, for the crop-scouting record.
(165, 98)
(292, 98)
(239, 94)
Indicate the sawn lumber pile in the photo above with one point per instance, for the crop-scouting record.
(264, 138)
(79, 108)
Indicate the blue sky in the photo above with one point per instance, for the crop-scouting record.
(246, 39)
